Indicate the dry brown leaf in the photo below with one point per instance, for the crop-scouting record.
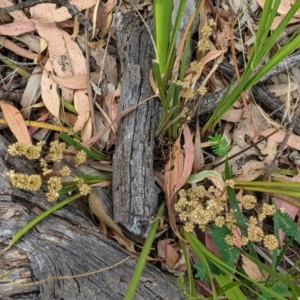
(17, 15)
(252, 270)
(198, 155)
(87, 130)
(33, 42)
(17, 49)
(177, 170)
(49, 92)
(98, 210)
(67, 62)
(15, 122)
(269, 151)
(244, 127)
(293, 141)
(283, 89)
(211, 55)
(82, 106)
(76, 82)
(278, 19)
(283, 8)
(179, 167)
(17, 27)
(168, 250)
(32, 91)
(110, 69)
(233, 115)
(103, 12)
(103, 130)
(42, 13)
(112, 106)
(58, 55)
(251, 170)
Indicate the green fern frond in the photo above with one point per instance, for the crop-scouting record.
(280, 287)
(227, 252)
(297, 236)
(286, 223)
(201, 272)
(219, 144)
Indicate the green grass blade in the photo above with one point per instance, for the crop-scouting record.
(198, 248)
(41, 217)
(162, 10)
(268, 14)
(171, 51)
(91, 153)
(262, 46)
(192, 288)
(139, 267)
(204, 255)
(280, 55)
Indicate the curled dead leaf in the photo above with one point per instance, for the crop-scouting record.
(16, 122)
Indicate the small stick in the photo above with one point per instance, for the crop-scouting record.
(72, 9)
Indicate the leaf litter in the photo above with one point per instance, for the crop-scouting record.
(62, 75)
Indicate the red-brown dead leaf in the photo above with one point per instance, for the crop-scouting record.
(49, 92)
(59, 62)
(283, 8)
(42, 13)
(104, 11)
(87, 130)
(233, 115)
(252, 270)
(67, 61)
(168, 250)
(77, 82)
(42, 118)
(293, 141)
(177, 170)
(32, 91)
(17, 27)
(17, 49)
(17, 15)
(112, 106)
(15, 122)
(82, 105)
(179, 166)
(211, 55)
(34, 43)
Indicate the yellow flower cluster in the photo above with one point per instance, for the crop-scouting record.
(21, 149)
(200, 207)
(56, 150)
(80, 158)
(83, 188)
(206, 31)
(24, 181)
(188, 92)
(54, 183)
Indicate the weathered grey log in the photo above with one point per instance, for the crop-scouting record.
(65, 244)
(134, 190)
